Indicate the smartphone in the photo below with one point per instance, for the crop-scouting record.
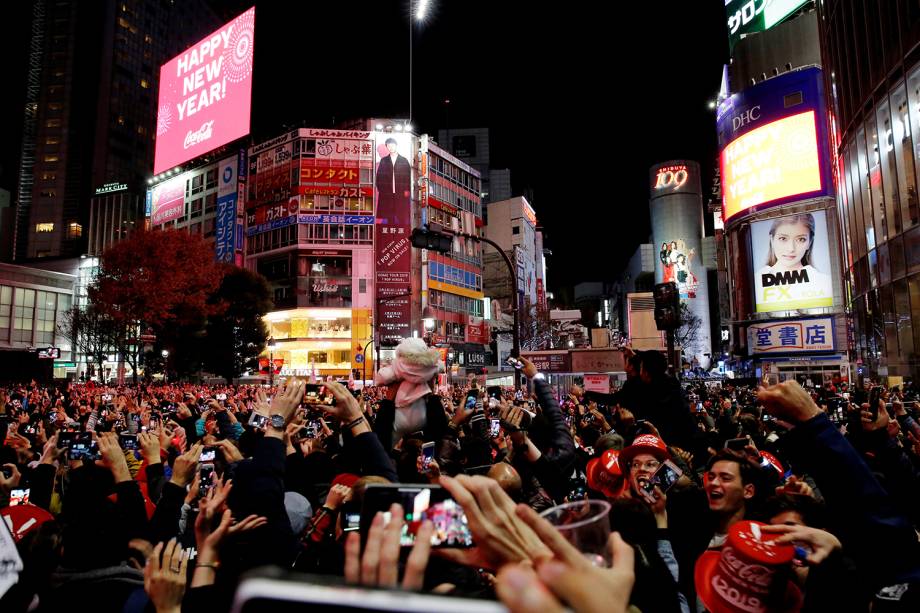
(222, 397)
(128, 441)
(205, 479)
(419, 503)
(516, 363)
(427, 456)
(472, 397)
(83, 447)
(18, 497)
(257, 420)
(495, 392)
(317, 394)
(352, 522)
(208, 454)
(665, 478)
(737, 444)
(495, 428)
(153, 423)
(875, 395)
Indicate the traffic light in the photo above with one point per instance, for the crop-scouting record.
(667, 306)
(424, 238)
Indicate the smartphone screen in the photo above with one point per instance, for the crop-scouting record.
(205, 479)
(427, 455)
(495, 428)
(317, 394)
(208, 454)
(352, 522)
(419, 503)
(665, 478)
(83, 447)
(257, 420)
(472, 396)
(18, 497)
(128, 441)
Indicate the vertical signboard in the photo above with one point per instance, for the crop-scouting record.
(392, 249)
(225, 223)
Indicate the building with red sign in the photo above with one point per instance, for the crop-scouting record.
(328, 219)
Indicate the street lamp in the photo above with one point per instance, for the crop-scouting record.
(272, 347)
(429, 322)
(419, 14)
(165, 354)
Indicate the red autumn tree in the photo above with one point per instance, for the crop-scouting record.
(155, 279)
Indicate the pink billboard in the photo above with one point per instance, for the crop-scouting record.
(168, 201)
(205, 94)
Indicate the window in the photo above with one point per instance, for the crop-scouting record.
(197, 183)
(44, 317)
(210, 203)
(196, 207)
(47, 176)
(74, 230)
(48, 194)
(6, 301)
(53, 140)
(145, 84)
(23, 313)
(43, 228)
(903, 155)
(212, 179)
(516, 230)
(51, 158)
(53, 123)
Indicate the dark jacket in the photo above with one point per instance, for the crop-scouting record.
(874, 533)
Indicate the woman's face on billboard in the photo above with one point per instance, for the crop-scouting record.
(790, 242)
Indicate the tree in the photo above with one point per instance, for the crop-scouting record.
(90, 332)
(687, 333)
(237, 336)
(159, 279)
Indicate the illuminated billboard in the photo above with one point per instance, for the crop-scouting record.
(792, 263)
(746, 17)
(167, 200)
(205, 94)
(777, 160)
(773, 144)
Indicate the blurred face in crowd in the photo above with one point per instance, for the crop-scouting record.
(724, 488)
(642, 467)
(787, 518)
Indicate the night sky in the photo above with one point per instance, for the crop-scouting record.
(580, 99)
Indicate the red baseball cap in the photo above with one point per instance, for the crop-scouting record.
(746, 574)
(605, 474)
(769, 457)
(646, 443)
(24, 518)
(347, 479)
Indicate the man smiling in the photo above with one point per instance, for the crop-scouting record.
(729, 486)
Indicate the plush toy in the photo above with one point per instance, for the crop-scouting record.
(415, 366)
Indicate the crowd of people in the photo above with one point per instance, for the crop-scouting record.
(167, 497)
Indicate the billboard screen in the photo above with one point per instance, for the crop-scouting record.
(392, 249)
(167, 200)
(773, 142)
(205, 94)
(792, 264)
(750, 16)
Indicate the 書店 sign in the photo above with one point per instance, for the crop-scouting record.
(791, 336)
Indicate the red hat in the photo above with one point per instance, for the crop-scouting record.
(749, 574)
(347, 479)
(769, 457)
(24, 518)
(647, 443)
(605, 475)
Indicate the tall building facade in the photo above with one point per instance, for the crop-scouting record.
(873, 79)
(328, 219)
(90, 110)
(781, 227)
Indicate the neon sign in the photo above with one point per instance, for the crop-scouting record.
(672, 176)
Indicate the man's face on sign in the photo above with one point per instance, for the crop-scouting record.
(391, 147)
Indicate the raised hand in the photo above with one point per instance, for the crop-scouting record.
(164, 581)
(379, 566)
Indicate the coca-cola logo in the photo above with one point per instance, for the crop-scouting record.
(200, 135)
(755, 575)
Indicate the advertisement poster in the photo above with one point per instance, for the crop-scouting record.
(225, 222)
(167, 201)
(792, 263)
(392, 249)
(677, 264)
(205, 94)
